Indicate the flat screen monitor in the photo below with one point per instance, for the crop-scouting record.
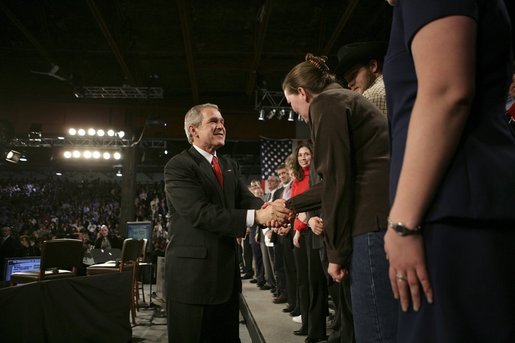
(139, 230)
(20, 264)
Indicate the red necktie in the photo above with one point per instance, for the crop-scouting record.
(218, 171)
(511, 112)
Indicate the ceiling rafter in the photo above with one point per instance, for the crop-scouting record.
(188, 47)
(110, 40)
(263, 19)
(39, 47)
(339, 28)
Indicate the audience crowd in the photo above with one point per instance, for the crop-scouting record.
(60, 208)
(299, 262)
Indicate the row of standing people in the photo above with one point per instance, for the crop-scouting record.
(432, 187)
(373, 307)
(444, 205)
(293, 263)
(304, 258)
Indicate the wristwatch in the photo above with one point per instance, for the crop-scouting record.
(402, 230)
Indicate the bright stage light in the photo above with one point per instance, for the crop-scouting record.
(13, 156)
(79, 154)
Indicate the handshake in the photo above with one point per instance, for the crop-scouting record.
(277, 216)
(273, 214)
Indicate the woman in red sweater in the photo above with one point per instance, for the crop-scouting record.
(311, 283)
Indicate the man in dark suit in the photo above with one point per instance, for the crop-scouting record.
(209, 207)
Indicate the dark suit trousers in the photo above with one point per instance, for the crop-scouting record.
(301, 263)
(318, 292)
(312, 287)
(267, 260)
(280, 274)
(247, 256)
(290, 269)
(258, 257)
(340, 292)
(191, 323)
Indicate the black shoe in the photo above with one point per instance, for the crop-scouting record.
(295, 312)
(246, 276)
(253, 281)
(315, 340)
(281, 299)
(288, 309)
(264, 287)
(301, 332)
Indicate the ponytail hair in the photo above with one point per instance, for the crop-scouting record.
(313, 74)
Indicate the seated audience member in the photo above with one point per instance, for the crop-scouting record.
(103, 241)
(29, 246)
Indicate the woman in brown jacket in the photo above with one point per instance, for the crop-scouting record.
(350, 144)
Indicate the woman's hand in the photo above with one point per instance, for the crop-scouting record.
(407, 269)
(296, 239)
(316, 224)
(337, 272)
(282, 231)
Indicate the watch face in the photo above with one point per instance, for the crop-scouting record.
(401, 230)
(404, 231)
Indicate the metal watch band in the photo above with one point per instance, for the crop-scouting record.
(403, 230)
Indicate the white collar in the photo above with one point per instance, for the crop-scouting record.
(207, 156)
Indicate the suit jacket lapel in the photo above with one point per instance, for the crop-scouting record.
(207, 169)
(228, 174)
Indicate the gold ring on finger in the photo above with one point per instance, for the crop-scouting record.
(401, 277)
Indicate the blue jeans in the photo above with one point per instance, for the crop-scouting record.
(374, 309)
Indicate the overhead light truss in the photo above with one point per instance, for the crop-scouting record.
(270, 104)
(47, 142)
(123, 92)
(106, 142)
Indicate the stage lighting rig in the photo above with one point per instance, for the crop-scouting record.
(270, 104)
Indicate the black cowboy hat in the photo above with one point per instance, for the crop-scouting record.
(361, 52)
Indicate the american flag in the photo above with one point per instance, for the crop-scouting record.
(273, 153)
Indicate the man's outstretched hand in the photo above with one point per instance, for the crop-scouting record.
(274, 213)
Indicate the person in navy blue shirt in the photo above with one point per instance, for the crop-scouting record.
(451, 235)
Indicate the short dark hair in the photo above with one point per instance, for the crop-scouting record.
(280, 166)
